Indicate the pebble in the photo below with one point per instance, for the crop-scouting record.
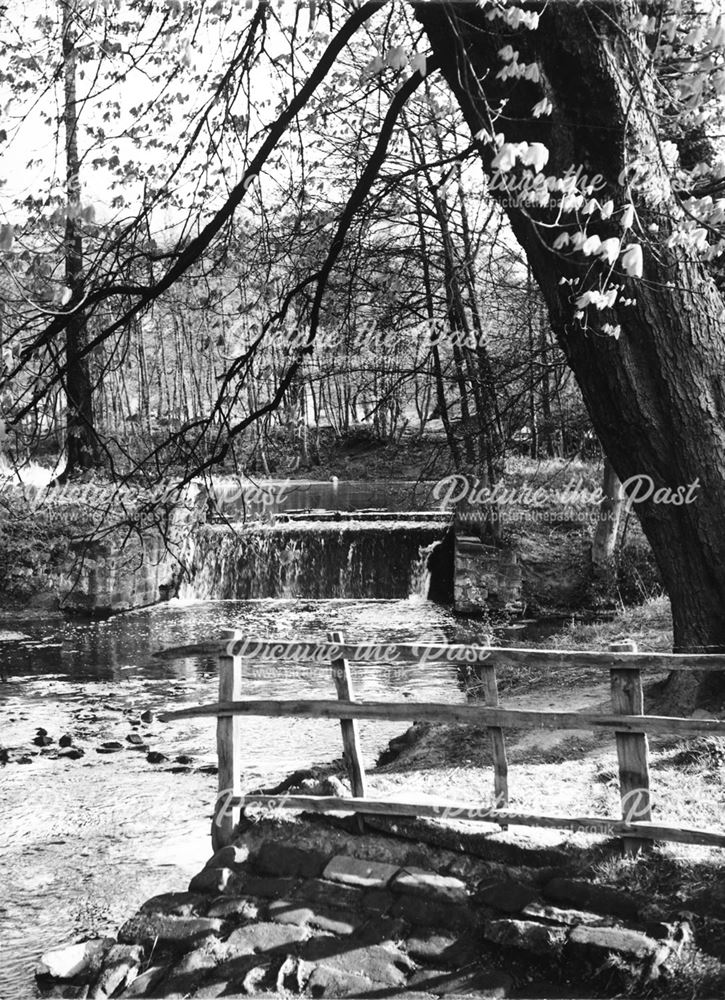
(155, 757)
(65, 741)
(134, 738)
(183, 759)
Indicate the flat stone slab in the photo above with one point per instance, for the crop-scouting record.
(269, 888)
(430, 947)
(441, 946)
(328, 982)
(586, 896)
(284, 911)
(330, 919)
(432, 913)
(264, 937)
(178, 904)
(565, 918)
(147, 928)
(274, 858)
(333, 921)
(507, 896)
(353, 871)
(539, 939)
(376, 963)
(419, 882)
(236, 908)
(603, 940)
(317, 890)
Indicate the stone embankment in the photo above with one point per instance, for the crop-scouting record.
(310, 908)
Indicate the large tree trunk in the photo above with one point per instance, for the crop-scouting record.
(655, 395)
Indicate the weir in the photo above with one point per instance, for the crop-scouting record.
(318, 559)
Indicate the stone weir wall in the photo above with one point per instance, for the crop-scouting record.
(310, 909)
(125, 571)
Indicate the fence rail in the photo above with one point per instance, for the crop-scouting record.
(321, 654)
(628, 721)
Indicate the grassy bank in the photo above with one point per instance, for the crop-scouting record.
(576, 774)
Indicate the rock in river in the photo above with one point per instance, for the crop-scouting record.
(65, 963)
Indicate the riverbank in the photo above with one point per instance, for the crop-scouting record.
(266, 919)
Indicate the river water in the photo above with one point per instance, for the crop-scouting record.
(84, 842)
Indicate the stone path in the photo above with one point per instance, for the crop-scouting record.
(271, 917)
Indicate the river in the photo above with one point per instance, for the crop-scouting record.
(84, 842)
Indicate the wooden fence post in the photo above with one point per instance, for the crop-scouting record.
(228, 730)
(632, 748)
(350, 733)
(498, 742)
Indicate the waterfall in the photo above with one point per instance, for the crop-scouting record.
(352, 559)
(420, 576)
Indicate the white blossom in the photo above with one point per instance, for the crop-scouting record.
(632, 260)
(592, 244)
(542, 107)
(505, 159)
(610, 249)
(534, 154)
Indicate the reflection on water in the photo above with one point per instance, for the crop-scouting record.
(83, 842)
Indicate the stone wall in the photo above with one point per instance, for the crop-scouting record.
(483, 574)
(306, 909)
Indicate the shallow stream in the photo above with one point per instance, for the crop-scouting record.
(84, 842)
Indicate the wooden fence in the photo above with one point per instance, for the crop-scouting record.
(627, 720)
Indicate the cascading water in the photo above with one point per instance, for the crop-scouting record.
(354, 559)
(420, 577)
